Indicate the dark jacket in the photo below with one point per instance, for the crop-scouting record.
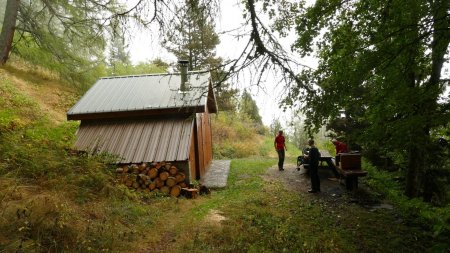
(314, 156)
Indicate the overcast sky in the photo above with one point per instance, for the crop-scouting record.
(144, 47)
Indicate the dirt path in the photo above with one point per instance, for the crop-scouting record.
(332, 192)
(299, 181)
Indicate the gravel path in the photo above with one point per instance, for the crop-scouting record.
(299, 181)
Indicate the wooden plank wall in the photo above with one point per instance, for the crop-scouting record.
(192, 157)
(200, 155)
(204, 138)
(207, 141)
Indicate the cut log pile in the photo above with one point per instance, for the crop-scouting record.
(156, 177)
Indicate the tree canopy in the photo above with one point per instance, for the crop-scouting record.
(192, 36)
(381, 63)
(248, 106)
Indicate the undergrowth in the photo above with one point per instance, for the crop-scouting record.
(435, 220)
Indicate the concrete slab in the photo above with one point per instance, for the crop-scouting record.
(217, 175)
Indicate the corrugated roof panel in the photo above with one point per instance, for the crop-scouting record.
(164, 141)
(141, 101)
(107, 134)
(114, 144)
(90, 139)
(187, 131)
(101, 96)
(141, 146)
(125, 139)
(165, 101)
(134, 141)
(79, 105)
(153, 142)
(134, 94)
(83, 137)
(145, 92)
(138, 140)
(172, 149)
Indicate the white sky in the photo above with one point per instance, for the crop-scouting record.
(144, 47)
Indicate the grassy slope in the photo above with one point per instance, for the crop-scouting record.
(52, 201)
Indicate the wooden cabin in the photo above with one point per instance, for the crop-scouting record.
(149, 118)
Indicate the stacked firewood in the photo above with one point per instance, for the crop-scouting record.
(163, 177)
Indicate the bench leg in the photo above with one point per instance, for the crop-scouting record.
(351, 183)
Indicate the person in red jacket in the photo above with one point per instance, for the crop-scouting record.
(280, 147)
(340, 148)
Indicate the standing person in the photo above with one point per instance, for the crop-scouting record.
(280, 147)
(313, 157)
(340, 148)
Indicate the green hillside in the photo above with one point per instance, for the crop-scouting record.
(53, 200)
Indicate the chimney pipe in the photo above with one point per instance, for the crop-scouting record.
(183, 64)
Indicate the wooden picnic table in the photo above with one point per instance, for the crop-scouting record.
(349, 174)
(326, 157)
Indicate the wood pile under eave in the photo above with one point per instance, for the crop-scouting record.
(156, 177)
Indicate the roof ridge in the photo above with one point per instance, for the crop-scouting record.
(156, 74)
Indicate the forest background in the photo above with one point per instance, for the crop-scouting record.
(379, 85)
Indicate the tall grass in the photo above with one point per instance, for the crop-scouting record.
(235, 136)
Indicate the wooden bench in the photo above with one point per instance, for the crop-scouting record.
(350, 168)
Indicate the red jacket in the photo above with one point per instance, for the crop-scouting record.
(341, 147)
(279, 142)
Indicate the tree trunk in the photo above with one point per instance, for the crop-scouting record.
(441, 39)
(152, 186)
(415, 161)
(161, 177)
(439, 45)
(8, 28)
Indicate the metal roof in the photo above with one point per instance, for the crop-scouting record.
(143, 93)
(136, 141)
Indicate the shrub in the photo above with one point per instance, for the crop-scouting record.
(234, 136)
(433, 218)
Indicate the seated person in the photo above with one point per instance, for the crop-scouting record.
(303, 159)
(340, 148)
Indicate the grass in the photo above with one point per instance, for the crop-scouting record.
(258, 216)
(265, 217)
(51, 201)
(267, 149)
